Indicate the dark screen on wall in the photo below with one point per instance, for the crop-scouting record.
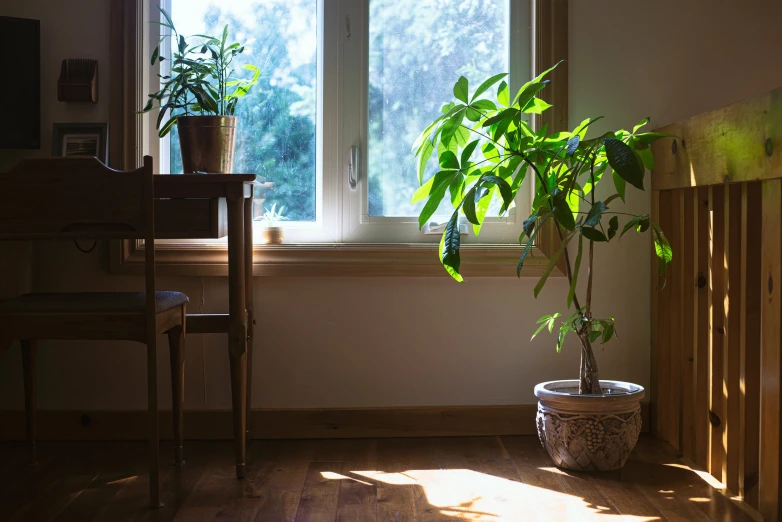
(20, 87)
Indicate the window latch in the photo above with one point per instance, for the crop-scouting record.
(353, 163)
(434, 228)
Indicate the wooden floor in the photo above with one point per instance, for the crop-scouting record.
(442, 479)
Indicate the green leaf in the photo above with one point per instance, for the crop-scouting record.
(641, 124)
(469, 206)
(561, 210)
(424, 155)
(435, 197)
(641, 222)
(536, 106)
(529, 224)
(166, 16)
(608, 332)
(423, 192)
(155, 55)
(167, 127)
(551, 264)
(481, 207)
(505, 190)
(449, 248)
(468, 150)
(561, 340)
(456, 188)
(484, 105)
(572, 144)
(488, 83)
(451, 125)
(647, 138)
(594, 336)
(448, 160)
(647, 158)
(460, 89)
(528, 246)
(527, 93)
(507, 114)
(625, 162)
(547, 321)
(613, 226)
(593, 234)
(662, 249)
(503, 96)
(576, 268)
(595, 213)
(620, 184)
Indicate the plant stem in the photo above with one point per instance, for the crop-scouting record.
(589, 381)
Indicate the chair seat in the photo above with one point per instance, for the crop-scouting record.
(90, 302)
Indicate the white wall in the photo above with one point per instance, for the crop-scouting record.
(351, 342)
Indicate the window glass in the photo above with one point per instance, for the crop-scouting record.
(277, 120)
(417, 50)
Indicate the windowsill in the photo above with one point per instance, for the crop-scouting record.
(331, 259)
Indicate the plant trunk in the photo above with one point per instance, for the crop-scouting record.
(589, 382)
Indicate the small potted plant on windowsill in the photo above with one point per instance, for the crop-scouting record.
(200, 95)
(272, 233)
(485, 149)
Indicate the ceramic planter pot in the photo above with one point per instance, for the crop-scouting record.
(207, 143)
(589, 432)
(273, 236)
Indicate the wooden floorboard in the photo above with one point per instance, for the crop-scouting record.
(352, 480)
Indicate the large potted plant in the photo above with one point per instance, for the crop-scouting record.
(200, 94)
(486, 147)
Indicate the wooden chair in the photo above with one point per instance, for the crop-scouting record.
(80, 198)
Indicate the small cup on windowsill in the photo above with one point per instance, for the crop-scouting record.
(273, 233)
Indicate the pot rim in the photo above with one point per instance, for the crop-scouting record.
(203, 118)
(630, 392)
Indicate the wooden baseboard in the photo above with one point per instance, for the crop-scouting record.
(436, 421)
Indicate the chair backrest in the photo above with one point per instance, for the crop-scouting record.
(81, 198)
(75, 198)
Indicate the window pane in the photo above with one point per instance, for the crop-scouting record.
(277, 119)
(417, 51)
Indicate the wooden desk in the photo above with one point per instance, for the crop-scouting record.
(191, 206)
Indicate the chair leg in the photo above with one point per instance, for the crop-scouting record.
(154, 435)
(28, 365)
(176, 343)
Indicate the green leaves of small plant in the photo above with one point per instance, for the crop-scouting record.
(199, 77)
(625, 162)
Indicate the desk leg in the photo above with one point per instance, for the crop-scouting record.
(237, 327)
(248, 284)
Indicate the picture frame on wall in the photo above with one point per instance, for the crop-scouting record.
(81, 139)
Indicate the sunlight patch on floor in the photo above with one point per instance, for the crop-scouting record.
(471, 495)
(122, 480)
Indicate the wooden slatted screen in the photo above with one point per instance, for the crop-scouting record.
(717, 317)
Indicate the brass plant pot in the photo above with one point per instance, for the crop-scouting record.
(207, 143)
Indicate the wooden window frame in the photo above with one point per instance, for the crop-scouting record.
(550, 45)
